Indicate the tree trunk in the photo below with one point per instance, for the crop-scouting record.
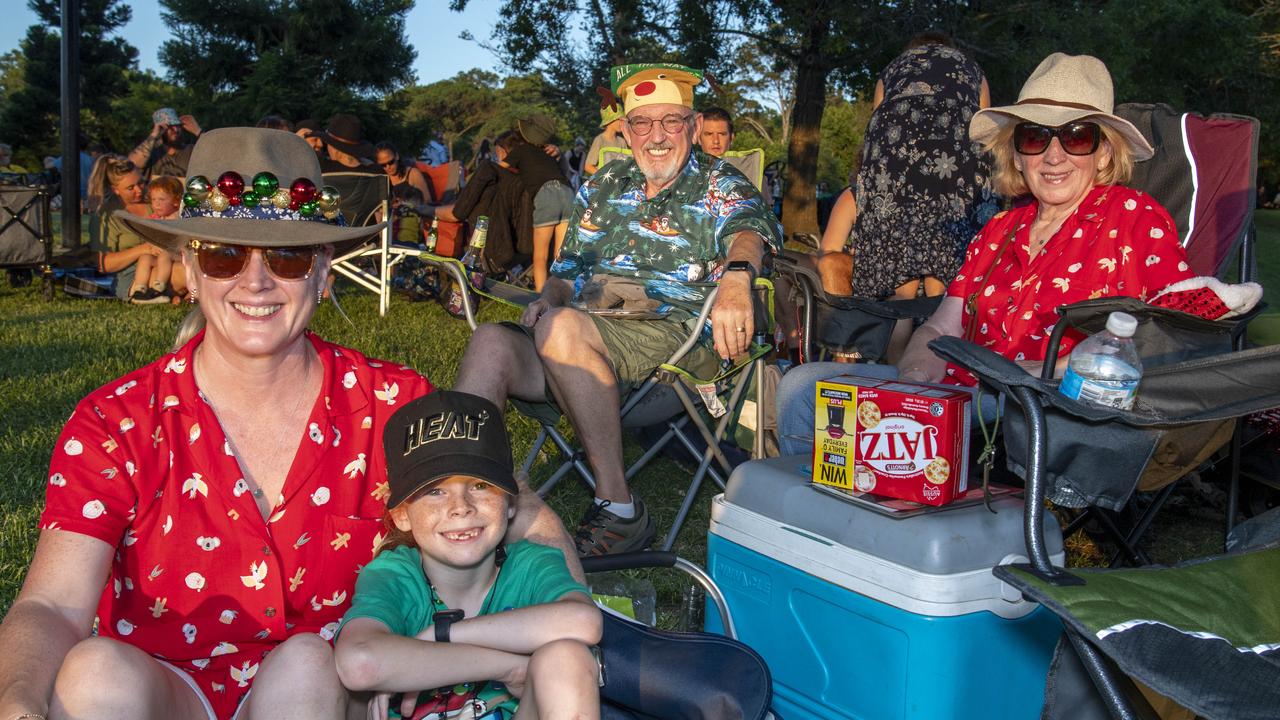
(799, 205)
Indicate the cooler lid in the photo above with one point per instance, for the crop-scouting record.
(949, 541)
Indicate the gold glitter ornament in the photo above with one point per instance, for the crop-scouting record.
(218, 201)
(282, 198)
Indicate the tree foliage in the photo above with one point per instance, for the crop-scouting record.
(472, 106)
(30, 118)
(243, 59)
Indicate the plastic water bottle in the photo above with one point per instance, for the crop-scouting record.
(1105, 369)
(692, 605)
(473, 259)
(432, 236)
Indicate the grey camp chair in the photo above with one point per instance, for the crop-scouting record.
(366, 200)
(664, 399)
(1205, 633)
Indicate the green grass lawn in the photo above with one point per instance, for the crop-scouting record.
(1265, 330)
(53, 354)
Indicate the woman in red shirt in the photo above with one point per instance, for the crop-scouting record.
(211, 510)
(1080, 234)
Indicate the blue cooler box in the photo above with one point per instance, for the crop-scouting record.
(862, 615)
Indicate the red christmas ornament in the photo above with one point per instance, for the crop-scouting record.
(231, 185)
(302, 190)
(294, 204)
(235, 199)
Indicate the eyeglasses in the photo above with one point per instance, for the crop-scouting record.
(672, 123)
(390, 163)
(1077, 138)
(223, 261)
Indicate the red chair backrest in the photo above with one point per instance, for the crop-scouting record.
(445, 179)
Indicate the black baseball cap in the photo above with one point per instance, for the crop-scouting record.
(442, 434)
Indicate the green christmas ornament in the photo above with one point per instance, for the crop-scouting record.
(250, 198)
(309, 208)
(189, 200)
(265, 184)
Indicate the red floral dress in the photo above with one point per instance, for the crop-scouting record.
(199, 579)
(1119, 241)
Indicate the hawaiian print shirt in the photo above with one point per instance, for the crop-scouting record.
(679, 236)
(199, 578)
(1118, 242)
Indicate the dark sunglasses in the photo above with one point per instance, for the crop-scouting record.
(223, 261)
(1077, 138)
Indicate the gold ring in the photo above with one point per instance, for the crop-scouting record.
(742, 329)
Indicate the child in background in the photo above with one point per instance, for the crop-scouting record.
(164, 193)
(151, 278)
(503, 629)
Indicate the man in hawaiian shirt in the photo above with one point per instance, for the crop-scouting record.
(643, 228)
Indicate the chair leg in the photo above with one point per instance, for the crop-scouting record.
(1233, 483)
(573, 460)
(1117, 691)
(1133, 555)
(1144, 522)
(672, 428)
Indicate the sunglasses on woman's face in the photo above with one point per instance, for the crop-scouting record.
(1077, 138)
(224, 261)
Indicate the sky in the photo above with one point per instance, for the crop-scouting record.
(431, 27)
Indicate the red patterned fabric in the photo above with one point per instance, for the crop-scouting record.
(1118, 242)
(1198, 301)
(199, 577)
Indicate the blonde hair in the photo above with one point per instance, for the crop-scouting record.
(107, 171)
(1007, 180)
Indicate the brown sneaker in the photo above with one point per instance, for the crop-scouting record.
(603, 533)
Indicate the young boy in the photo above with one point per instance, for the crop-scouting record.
(501, 630)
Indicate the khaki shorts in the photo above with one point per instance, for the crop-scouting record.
(635, 348)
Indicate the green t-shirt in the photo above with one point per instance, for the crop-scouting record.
(393, 590)
(677, 237)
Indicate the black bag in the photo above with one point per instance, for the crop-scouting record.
(652, 673)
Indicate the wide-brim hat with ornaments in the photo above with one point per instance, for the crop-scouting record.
(253, 186)
(1064, 88)
(643, 84)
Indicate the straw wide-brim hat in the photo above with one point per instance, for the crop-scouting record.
(248, 152)
(1064, 88)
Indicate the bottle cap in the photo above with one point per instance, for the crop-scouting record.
(1121, 324)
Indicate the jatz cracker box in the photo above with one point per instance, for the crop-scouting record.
(897, 439)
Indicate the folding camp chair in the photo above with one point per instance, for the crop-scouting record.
(26, 234)
(1204, 173)
(446, 180)
(665, 397)
(1204, 633)
(652, 673)
(366, 200)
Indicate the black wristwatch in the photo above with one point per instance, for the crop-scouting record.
(741, 266)
(442, 621)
